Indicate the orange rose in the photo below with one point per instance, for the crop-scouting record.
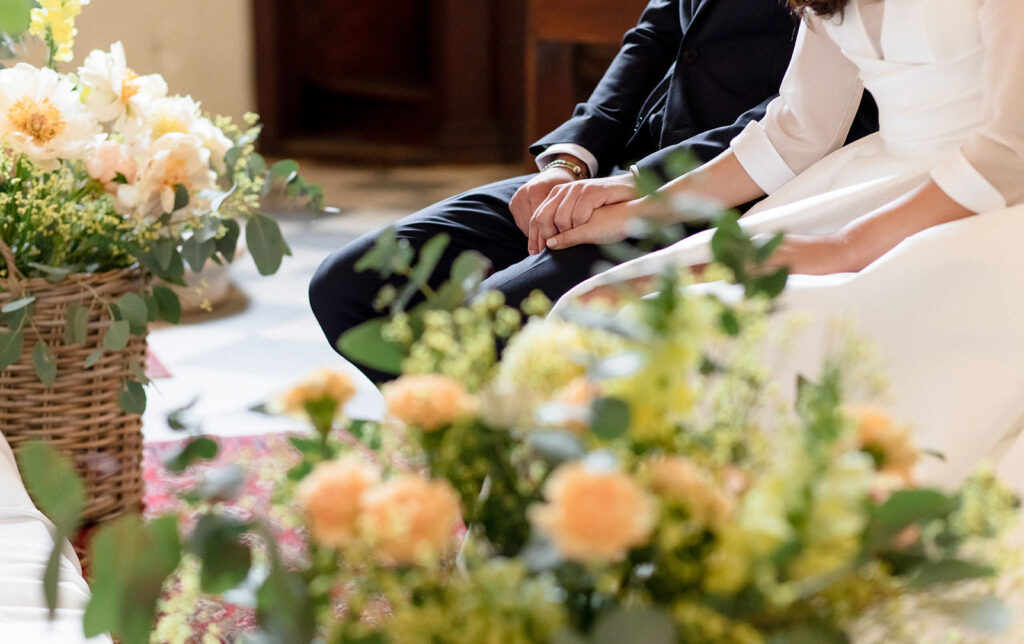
(594, 516)
(889, 444)
(680, 479)
(410, 519)
(428, 402)
(331, 496)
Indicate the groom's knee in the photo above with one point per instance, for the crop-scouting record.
(340, 297)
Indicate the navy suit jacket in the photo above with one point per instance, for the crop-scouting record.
(691, 74)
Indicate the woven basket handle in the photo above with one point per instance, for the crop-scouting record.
(14, 276)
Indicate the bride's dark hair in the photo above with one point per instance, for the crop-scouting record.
(826, 8)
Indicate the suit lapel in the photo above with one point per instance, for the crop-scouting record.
(700, 9)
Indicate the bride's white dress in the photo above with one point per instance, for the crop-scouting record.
(945, 308)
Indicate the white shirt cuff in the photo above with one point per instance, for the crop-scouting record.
(578, 151)
(962, 182)
(760, 159)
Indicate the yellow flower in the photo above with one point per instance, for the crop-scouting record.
(727, 567)
(57, 18)
(679, 479)
(322, 385)
(410, 519)
(889, 444)
(332, 498)
(592, 515)
(429, 401)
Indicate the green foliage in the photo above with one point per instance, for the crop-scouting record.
(366, 345)
(131, 560)
(609, 418)
(267, 245)
(45, 364)
(132, 398)
(194, 450)
(746, 258)
(225, 560)
(14, 17)
(77, 326)
(58, 492)
(11, 344)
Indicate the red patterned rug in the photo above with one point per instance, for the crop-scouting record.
(265, 460)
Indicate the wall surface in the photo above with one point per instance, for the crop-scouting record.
(202, 47)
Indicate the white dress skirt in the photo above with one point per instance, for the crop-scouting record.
(945, 308)
(26, 538)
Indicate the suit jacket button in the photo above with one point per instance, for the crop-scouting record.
(690, 56)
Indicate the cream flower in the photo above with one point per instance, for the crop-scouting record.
(410, 519)
(215, 141)
(159, 117)
(174, 159)
(115, 90)
(108, 160)
(594, 515)
(42, 117)
(428, 402)
(331, 497)
(679, 479)
(889, 444)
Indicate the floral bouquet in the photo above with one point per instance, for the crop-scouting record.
(630, 477)
(102, 169)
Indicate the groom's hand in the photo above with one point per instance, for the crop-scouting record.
(533, 193)
(572, 205)
(607, 225)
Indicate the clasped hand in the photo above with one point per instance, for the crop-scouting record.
(572, 212)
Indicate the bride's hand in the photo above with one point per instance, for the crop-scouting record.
(607, 225)
(814, 254)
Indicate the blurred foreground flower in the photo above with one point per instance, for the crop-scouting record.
(410, 519)
(332, 497)
(594, 515)
(428, 402)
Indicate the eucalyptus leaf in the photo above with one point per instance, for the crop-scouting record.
(53, 273)
(225, 560)
(11, 346)
(93, 358)
(51, 479)
(284, 607)
(284, 171)
(170, 305)
(180, 197)
(948, 571)
(556, 447)
(117, 335)
(45, 363)
(132, 398)
(17, 305)
(196, 252)
(609, 418)
(77, 327)
(267, 245)
(132, 307)
(131, 559)
(196, 449)
(366, 345)
(228, 242)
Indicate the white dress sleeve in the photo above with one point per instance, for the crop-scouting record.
(987, 173)
(811, 117)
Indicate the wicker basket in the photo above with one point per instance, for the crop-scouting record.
(79, 414)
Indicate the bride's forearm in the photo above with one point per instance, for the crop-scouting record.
(721, 179)
(871, 236)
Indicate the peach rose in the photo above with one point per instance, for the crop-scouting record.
(428, 401)
(322, 384)
(410, 519)
(889, 444)
(680, 479)
(332, 495)
(109, 159)
(594, 516)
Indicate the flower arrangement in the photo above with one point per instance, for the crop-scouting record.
(103, 169)
(610, 478)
